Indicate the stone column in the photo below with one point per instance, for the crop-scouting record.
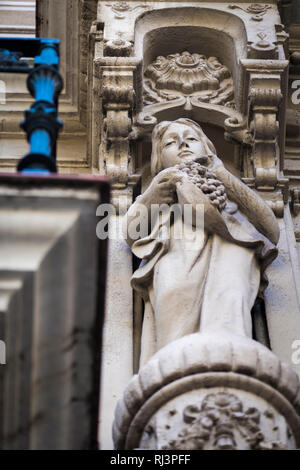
(117, 351)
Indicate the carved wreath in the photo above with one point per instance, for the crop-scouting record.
(218, 419)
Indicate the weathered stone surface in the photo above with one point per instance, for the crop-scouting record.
(183, 279)
(54, 311)
(152, 82)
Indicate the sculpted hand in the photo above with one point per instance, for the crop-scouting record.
(163, 187)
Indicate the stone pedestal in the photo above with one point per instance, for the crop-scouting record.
(210, 392)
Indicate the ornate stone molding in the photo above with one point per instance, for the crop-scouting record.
(258, 10)
(267, 87)
(235, 122)
(120, 9)
(188, 80)
(118, 99)
(262, 47)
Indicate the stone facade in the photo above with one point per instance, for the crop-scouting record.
(233, 68)
(224, 66)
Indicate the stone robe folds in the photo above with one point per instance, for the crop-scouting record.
(207, 280)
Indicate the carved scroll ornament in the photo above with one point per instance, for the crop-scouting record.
(256, 9)
(118, 97)
(121, 8)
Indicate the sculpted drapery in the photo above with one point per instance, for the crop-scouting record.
(206, 280)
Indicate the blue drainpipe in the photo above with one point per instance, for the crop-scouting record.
(44, 82)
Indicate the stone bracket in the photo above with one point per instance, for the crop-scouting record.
(118, 77)
(264, 103)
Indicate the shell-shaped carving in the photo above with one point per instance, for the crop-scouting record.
(187, 74)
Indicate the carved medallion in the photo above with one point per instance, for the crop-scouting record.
(219, 418)
(220, 422)
(186, 74)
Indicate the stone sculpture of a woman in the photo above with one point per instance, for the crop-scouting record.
(194, 283)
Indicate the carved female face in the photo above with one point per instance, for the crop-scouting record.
(179, 142)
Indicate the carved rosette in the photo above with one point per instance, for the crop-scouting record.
(210, 392)
(186, 74)
(120, 9)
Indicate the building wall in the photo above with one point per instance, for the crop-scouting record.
(94, 66)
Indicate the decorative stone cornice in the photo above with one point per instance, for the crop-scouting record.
(118, 96)
(266, 88)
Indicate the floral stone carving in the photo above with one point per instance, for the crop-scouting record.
(187, 74)
(256, 9)
(220, 422)
(122, 7)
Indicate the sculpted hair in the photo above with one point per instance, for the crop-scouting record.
(158, 133)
